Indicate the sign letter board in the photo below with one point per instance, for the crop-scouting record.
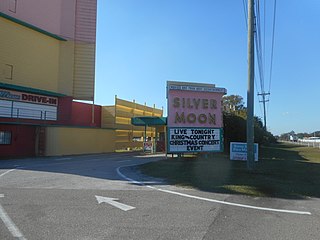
(194, 117)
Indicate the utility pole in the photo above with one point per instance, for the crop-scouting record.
(250, 91)
(264, 107)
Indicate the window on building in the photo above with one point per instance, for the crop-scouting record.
(5, 137)
(13, 6)
(8, 72)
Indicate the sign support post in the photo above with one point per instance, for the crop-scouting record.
(250, 92)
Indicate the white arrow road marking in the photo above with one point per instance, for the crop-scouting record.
(208, 199)
(112, 201)
(13, 229)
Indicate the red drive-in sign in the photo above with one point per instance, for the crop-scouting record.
(28, 97)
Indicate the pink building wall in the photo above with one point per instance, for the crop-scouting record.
(66, 18)
(45, 14)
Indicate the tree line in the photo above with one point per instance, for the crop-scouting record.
(235, 123)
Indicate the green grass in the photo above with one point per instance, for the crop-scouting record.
(284, 171)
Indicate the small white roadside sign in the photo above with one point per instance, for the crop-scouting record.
(147, 146)
(238, 151)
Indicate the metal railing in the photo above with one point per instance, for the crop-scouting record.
(26, 113)
(307, 143)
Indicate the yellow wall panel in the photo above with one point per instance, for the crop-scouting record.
(84, 71)
(108, 116)
(125, 103)
(33, 55)
(129, 145)
(66, 68)
(119, 117)
(68, 140)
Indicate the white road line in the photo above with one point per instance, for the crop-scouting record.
(92, 159)
(208, 199)
(61, 159)
(124, 161)
(2, 174)
(10, 225)
(55, 162)
(14, 230)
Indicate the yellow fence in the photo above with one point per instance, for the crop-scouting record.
(119, 117)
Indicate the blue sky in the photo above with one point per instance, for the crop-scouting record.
(143, 43)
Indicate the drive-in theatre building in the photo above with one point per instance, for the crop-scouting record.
(47, 70)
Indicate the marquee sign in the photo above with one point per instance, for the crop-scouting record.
(27, 97)
(195, 140)
(194, 117)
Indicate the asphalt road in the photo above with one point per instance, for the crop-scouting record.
(57, 198)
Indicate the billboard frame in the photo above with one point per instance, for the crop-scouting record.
(221, 139)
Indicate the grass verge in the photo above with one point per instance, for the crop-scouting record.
(283, 170)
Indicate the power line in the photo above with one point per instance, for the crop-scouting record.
(245, 11)
(255, 81)
(261, 52)
(264, 32)
(260, 49)
(272, 46)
